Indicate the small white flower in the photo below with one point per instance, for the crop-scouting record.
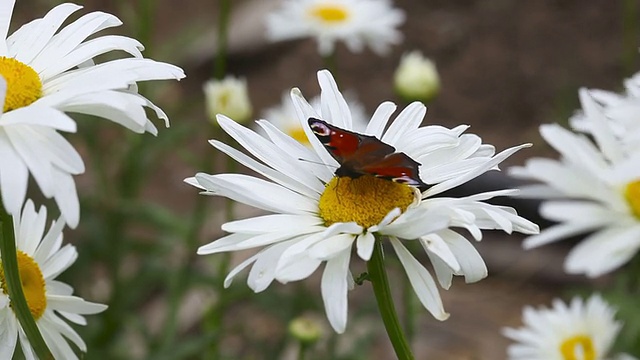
(355, 22)
(284, 116)
(417, 78)
(46, 71)
(594, 188)
(40, 260)
(228, 97)
(577, 331)
(319, 218)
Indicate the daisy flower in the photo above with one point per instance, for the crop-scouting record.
(284, 116)
(593, 188)
(229, 97)
(318, 218)
(40, 260)
(355, 22)
(580, 330)
(48, 70)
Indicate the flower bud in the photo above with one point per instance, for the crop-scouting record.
(305, 329)
(228, 97)
(416, 78)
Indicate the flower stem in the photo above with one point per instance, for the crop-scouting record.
(380, 282)
(219, 67)
(14, 287)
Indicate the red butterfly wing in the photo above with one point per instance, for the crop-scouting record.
(360, 154)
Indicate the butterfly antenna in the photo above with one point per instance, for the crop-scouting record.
(317, 163)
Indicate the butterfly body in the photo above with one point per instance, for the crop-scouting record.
(360, 154)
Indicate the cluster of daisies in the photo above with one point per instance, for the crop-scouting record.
(48, 70)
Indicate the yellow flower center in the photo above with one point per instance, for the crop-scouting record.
(33, 284)
(23, 84)
(579, 347)
(297, 133)
(330, 13)
(365, 200)
(632, 194)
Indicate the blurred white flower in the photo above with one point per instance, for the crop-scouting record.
(284, 116)
(47, 71)
(581, 330)
(40, 260)
(593, 188)
(355, 22)
(319, 217)
(417, 78)
(228, 97)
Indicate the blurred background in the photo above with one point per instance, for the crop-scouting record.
(505, 66)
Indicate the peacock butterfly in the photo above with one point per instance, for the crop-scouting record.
(360, 154)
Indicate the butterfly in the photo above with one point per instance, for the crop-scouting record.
(360, 154)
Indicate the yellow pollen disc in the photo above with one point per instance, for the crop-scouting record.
(23, 84)
(365, 200)
(632, 194)
(33, 284)
(297, 133)
(330, 13)
(579, 347)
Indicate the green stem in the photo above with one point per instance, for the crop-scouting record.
(380, 282)
(629, 36)
(14, 287)
(409, 309)
(219, 68)
(302, 351)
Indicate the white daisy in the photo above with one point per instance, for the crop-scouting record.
(318, 218)
(229, 97)
(40, 260)
(355, 22)
(594, 187)
(284, 116)
(48, 71)
(577, 331)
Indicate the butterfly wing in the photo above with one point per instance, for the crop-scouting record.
(397, 167)
(349, 147)
(360, 154)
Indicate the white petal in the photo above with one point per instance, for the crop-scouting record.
(14, 177)
(71, 36)
(449, 184)
(272, 223)
(74, 304)
(334, 288)
(408, 120)
(269, 173)
(257, 193)
(364, 245)
(6, 10)
(379, 120)
(604, 251)
(40, 33)
(8, 333)
(331, 247)
(601, 131)
(263, 270)
(436, 245)
(334, 107)
(421, 281)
